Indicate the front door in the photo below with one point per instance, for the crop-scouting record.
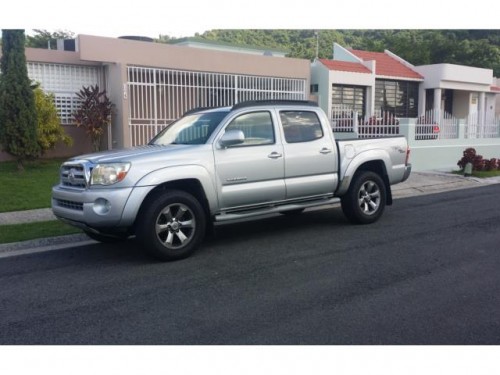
(251, 173)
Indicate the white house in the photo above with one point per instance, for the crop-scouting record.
(366, 82)
(373, 82)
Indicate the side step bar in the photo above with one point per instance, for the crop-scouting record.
(274, 209)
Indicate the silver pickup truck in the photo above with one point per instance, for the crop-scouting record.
(225, 164)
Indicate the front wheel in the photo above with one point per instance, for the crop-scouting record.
(365, 200)
(172, 225)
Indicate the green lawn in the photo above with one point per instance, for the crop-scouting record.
(24, 232)
(29, 189)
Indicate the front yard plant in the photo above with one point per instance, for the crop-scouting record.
(480, 167)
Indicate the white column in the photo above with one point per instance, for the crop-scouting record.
(421, 100)
(482, 118)
(481, 107)
(437, 100)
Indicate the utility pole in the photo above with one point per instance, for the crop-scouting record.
(317, 43)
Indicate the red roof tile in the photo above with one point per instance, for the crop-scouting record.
(345, 66)
(495, 88)
(387, 65)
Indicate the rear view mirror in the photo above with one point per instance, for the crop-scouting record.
(231, 138)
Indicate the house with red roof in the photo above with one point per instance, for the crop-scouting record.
(370, 83)
(367, 82)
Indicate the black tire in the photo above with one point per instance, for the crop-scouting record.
(366, 198)
(104, 238)
(172, 225)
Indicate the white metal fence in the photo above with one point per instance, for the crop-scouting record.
(433, 125)
(475, 130)
(436, 124)
(158, 97)
(380, 124)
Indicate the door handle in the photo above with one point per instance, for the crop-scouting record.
(325, 150)
(274, 155)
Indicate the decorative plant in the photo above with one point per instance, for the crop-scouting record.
(94, 113)
(49, 129)
(18, 117)
(477, 161)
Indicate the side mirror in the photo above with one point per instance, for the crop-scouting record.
(231, 138)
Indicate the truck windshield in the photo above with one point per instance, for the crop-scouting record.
(192, 129)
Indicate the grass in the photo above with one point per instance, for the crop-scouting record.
(25, 232)
(481, 174)
(29, 189)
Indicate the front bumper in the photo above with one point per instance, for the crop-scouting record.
(96, 208)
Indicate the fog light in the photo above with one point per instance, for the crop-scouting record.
(102, 206)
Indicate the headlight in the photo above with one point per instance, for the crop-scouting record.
(109, 174)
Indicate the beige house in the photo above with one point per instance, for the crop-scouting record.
(153, 84)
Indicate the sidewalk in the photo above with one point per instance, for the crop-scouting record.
(419, 183)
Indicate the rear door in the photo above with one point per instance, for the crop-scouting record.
(251, 173)
(310, 156)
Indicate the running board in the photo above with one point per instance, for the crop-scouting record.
(274, 209)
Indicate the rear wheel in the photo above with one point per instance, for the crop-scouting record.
(172, 225)
(365, 200)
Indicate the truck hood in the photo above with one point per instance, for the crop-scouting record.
(140, 153)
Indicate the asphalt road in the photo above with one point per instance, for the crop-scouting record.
(426, 273)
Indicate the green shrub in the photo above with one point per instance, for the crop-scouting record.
(49, 129)
(477, 161)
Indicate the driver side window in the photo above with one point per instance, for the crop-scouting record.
(256, 126)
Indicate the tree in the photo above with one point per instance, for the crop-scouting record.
(18, 119)
(49, 129)
(46, 39)
(94, 113)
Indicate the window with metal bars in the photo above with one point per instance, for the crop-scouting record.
(351, 97)
(64, 81)
(397, 97)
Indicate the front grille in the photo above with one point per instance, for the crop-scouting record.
(75, 175)
(69, 205)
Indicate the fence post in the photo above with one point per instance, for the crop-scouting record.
(407, 128)
(355, 124)
(461, 129)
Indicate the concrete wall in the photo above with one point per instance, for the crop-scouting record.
(455, 77)
(443, 154)
(157, 55)
(320, 75)
(340, 53)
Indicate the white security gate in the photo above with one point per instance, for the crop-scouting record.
(158, 97)
(64, 81)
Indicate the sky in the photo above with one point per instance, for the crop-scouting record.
(187, 17)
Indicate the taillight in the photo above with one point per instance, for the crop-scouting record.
(407, 155)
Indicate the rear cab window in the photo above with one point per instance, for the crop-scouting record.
(300, 126)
